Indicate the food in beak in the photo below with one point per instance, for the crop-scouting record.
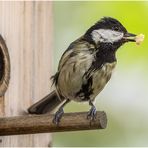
(134, 38)
(139, 39)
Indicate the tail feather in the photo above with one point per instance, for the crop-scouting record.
(45, 105)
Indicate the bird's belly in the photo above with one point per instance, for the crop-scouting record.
(72, 83)
(100, 78)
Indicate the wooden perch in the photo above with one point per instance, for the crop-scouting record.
(32, 124)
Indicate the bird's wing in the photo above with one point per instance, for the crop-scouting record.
(73, 65)
(78, 52)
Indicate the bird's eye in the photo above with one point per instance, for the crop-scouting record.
(116, 28)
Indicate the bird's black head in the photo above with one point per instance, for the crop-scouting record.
(109, 31)
(108, 23)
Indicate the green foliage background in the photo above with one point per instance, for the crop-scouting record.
(125, 98)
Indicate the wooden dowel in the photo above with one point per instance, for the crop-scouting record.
(32, 124)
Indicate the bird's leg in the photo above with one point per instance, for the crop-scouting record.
(59, 113)
(92, 112)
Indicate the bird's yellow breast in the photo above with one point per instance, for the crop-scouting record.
(101, 77)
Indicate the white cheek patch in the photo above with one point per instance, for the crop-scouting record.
(106, 35)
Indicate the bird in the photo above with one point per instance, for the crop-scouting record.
(85, 68)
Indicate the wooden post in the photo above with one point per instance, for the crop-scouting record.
(27, 30)
(44, 123)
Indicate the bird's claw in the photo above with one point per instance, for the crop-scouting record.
(58, 116)
(92, 113)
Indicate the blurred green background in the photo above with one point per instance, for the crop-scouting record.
(125, 98)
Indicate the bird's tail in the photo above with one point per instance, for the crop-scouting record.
(47, 104)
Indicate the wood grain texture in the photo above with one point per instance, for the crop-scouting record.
(27, 30)
(43, 123)
(2, 106)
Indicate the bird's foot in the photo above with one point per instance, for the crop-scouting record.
(92, 113)
(58, 116)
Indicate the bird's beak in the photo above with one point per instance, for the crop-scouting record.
(129, 37)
